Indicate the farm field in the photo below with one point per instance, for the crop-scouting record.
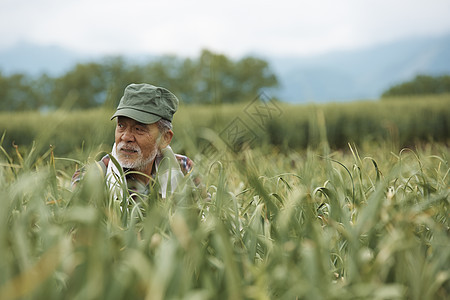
(396, 123)
(334, 202)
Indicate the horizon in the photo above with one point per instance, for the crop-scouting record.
(336, 76)
(357, 74)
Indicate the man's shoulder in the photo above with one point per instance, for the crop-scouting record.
(104, 162)
(79, 173)
(186, 164)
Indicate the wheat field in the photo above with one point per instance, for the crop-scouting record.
(263, 224)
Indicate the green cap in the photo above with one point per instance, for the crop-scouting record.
(146, 103)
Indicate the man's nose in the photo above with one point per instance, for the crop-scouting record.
(128, 136)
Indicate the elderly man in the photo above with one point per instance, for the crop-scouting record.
(142, 137)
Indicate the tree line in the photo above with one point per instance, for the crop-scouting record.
(209, 78)
(420, 85)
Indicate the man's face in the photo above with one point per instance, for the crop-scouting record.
(137, 144)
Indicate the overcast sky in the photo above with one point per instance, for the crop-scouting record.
(233, 27)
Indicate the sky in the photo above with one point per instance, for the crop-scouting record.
(235, 28)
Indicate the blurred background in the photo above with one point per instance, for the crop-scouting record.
(74, 55)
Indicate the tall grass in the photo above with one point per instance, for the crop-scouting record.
(400, 122)
(313, 224)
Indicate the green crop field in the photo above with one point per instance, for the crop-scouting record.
(322, 202)
(403, 122)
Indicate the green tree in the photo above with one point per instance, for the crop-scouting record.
(210, 78)
(82, 87)
(219, 79)
(254, 74)
(96, 83)
(17, 93)
(420, 85)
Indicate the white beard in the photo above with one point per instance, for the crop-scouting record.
(140, 162)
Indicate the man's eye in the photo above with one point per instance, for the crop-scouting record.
(140, 129)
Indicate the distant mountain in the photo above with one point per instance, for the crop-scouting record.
(32, 59)
(335, 76)
(360, 74)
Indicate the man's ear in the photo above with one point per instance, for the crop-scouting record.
(166, 139)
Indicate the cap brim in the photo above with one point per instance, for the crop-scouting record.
(140, 116)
